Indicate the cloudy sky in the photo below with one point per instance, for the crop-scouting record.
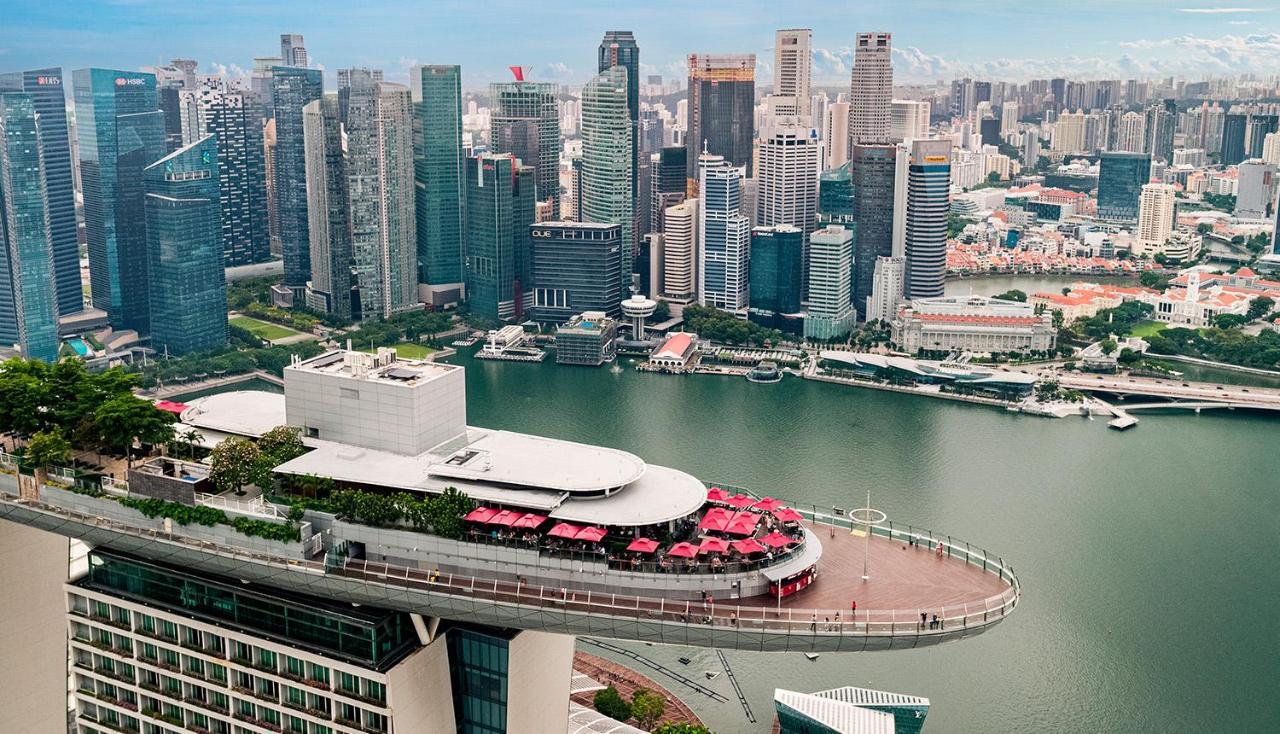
(932, 39)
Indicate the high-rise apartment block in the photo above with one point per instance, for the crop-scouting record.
(332, 288)
(292, 88)
(292, 52)
(1155, 217)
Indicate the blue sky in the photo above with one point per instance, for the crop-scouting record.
(557, 38)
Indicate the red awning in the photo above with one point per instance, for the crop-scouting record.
(777, 540)
(529, 521)
(591, 534)
(740, 501)
(480, 514)
(768, 504)
(743, 523)
(715, 494)
(717, 518)
(683, 550)
(747, 546)
(643, 545)
(564, 530)
(506, 518)
(170, 406)
(713, 545)
(786, 514)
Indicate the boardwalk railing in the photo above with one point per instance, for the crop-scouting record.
(762, 618)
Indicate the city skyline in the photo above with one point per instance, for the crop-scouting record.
(1141, 39)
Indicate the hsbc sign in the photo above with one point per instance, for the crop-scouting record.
(48, 81)
(124, 81)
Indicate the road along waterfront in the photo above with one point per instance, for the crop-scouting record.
(1142, 556)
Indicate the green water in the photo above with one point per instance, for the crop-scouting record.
(1147, 557)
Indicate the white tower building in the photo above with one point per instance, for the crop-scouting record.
(870, 89)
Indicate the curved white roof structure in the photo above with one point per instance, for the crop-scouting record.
(248, 413)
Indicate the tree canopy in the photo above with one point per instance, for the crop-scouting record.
(611, 703)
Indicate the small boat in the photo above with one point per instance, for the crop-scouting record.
(685, 661)
(711, 674)
(811, 655)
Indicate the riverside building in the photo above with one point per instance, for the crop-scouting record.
(972, 324)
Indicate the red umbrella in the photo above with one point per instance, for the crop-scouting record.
(713, 545)
(643, 545)
(743, 523)
(564, 530)
(683, 550)
(591, 534)
(480, 514)
(717, 518)
(739, 501)
(768, 504)
(747, 546)
(715, 494)
(506, 518)
(529, 521)
(777, 540)
(786, 514)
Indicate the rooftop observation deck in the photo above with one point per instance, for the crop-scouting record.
(967, 588)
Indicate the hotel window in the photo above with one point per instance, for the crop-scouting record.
(375, 691)
(147, 623)
(294, 666)
(217, 672)
(168, 630)
(294, 725)
(348, 683)
(374, 722)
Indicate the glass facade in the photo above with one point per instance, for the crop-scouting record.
(928, 202)
(576, 268)
(328, 211)
(49, 97)
(725, 236)
(873, 171)
(777, 272)
(438, 172)
(121, 131)
(372, 638)
(608, 155)
(500, 206)
(722, 92)
(29, 313)
(1121, 177)
(293, 88)
(1234, 144)
(535, 103)
(184, 250)
(478, 662)
(836, 202)
(619, 49)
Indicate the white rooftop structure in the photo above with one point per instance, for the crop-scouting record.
(850, 710)
(247, 413)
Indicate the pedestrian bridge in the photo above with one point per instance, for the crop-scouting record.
(1180, 394)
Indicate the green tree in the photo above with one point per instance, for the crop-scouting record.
(611, 703)
(22, 398)
(1229, 321)
(233, 464)
(681, 727)
(446, 510)
(124, 418)
(647, 707)
(48, 448)
(275, 447)
(1108, 346)
(662, 312)
(1013, 295)
(1154, 279)
(185, 442)
(1259, 307)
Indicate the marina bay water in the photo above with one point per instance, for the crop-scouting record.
(1147, 557)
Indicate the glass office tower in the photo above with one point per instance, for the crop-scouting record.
(438, 180)
(184, 238)
(928, 202)
(500, 206)
(29, 298)
(293, 88)
(1121, 177)
(608, 155)
(121, 131)
(530, 104)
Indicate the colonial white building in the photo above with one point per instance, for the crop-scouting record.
(972, 324)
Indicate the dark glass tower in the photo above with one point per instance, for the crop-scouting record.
(1234, 144)
(874, 173)
(618, 48)
(836, 200)
(928, 201)
(46, 89)
(520, 104)
(438, 179)
(722, 91)
(184, 238)
(777, 270)
(121, 132)
(669, 184)
(1259, 127)
(500, 207)
(293, 88)
(577, 266)
(28, 293)
(1121, 177)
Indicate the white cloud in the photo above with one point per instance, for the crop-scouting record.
(1221, 11)
(556, 71)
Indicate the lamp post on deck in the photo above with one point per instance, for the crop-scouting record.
(867, 516)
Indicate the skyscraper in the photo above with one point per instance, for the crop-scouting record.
(384, 242)
(886, 288)
(909, 120)
(1155, 217)
(438, 180)
(1259, 127)
(1162, 119)
(1255, 190)
(680, 252)
(724, 236)
(1131, 133)
(293, 88)
(835, 134)
(120, 132)
(28, 284)
(776, 271)
(577, 267)
(184, 250)
(332, 289)
(837, 200)
(292, 52)
(234, 118)
(792, 67)
(870, 89)
(830, 315)
(530, 103)
(49, 97)
(1121, 177)
(500, 206)
(928, 201)
(619, 49)
(874, 169)
(721, 110)
(1234, 142)
(790, 159)
(608, 156)
(669, 184)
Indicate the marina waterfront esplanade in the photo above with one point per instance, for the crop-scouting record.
(564, 537)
